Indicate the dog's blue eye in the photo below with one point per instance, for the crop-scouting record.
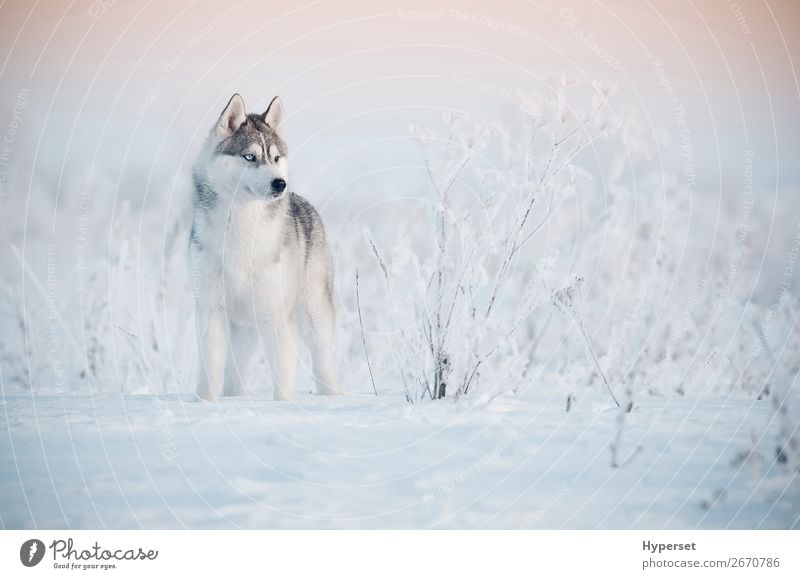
(249, 157)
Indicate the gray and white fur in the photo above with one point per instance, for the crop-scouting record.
(258, 257)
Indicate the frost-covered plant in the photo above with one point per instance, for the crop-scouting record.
(119, 323)
(458, 308)
(149, 315)
(21, 368)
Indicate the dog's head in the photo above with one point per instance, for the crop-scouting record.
(249, 153)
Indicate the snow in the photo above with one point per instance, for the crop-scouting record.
(357, 461)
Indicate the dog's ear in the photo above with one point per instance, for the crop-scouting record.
(232, 117)
(273, 116)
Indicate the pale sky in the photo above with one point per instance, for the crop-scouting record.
(99, 71)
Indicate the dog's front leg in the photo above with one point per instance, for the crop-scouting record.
(212, 330)
(286, 354)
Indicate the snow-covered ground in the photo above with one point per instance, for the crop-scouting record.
(355, 461)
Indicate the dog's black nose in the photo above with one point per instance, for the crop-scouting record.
(278, 185)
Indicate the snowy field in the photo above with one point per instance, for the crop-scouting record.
(566, 243)
(361, 462)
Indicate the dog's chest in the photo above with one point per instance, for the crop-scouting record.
(247, 241)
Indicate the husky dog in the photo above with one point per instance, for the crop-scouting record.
(258, 254)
